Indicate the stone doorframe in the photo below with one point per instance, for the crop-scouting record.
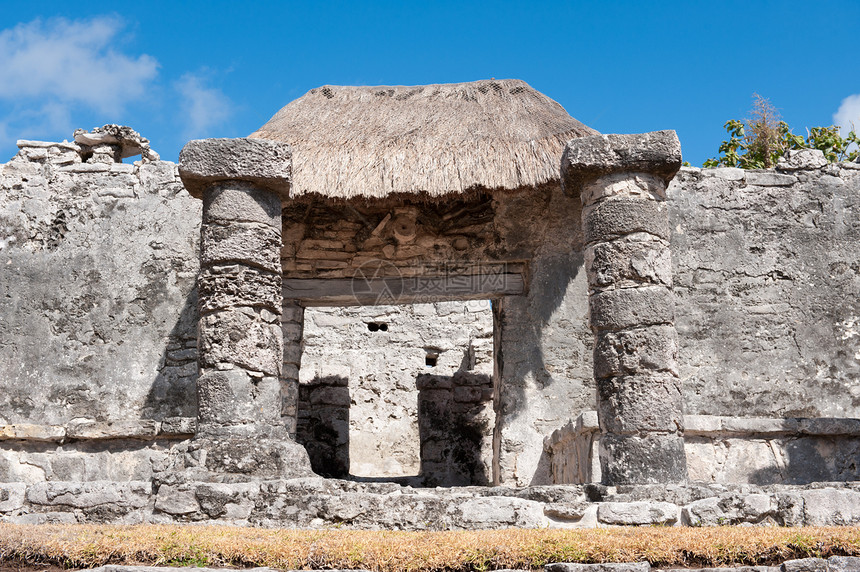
(247, 389)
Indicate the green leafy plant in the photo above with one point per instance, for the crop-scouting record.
(759, 142)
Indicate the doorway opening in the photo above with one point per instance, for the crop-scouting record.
(399, 393)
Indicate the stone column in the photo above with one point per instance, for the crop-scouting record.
(240, 343)
(292, 327)
(622, 182)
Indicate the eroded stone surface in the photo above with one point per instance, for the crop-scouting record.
(265, 163)
(638, 513)
(587, 158)
(97, 297)
(602, 567)
(317, 502)
(767, 295)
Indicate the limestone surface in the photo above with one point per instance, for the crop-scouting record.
(264, 163)
(587, 158)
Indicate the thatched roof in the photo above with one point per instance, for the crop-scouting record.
(433, 139)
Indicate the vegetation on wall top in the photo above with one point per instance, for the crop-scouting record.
(759, 142)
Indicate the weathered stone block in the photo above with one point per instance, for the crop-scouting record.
(31, 432)
(235, 201)
(631, 185)
(572, 510)
(702, 424)
(430, 382)
(625, 263)
(176, 501)
(157, 176)
(801, 159)
(233, 397)
(734, 509)
(828, 426)
(292, 356)
(630, 404)
(240, 338)
(725, 173)
(254, 456)
(587, 158)
(178, 426)
(142, 428)
(259, 161)
(227, 500)
(831, 507)
(602, 567)
(769, 179)
(638, 513)
(12, 496)
(631, 308)
(804, 565)
(330, 395)
(641, 350)
(501, 512)
(248, 243)
(133, 494)
(293, 312)
(757, 425)
(843, 564)
(616, 218)
(232, 285)
(465, 394)
(633, 459)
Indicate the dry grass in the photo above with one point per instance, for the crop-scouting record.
(74, 546)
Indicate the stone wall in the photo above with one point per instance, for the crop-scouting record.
(314, 503)
(767, 288)
(97, 315)
(763, 451)
(97, 289)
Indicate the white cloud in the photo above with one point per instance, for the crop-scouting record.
(848, 113)
(203, 107)
(72, 62)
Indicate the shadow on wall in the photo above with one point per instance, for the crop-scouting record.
(174, 391)
(545, 337)
(323, 425)
(455, 421)
(809, 459)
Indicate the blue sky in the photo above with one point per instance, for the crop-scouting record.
(178, 71)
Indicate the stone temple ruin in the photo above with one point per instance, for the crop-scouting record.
(389, 289)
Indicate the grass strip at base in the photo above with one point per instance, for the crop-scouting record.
(84, 546)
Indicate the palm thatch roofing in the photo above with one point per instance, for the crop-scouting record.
(434, 140)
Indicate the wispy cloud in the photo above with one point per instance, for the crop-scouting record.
(51, 68)
(848, 114)
(203, 107)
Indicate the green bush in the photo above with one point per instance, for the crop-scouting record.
(759, 142)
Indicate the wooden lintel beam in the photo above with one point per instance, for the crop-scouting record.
(364, 291)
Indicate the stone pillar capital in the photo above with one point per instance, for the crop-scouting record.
(586, 159)
(263, 163)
